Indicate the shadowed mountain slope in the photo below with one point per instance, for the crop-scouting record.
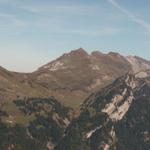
(116, 117)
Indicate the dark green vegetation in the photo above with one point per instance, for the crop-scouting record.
(133, 130)
(45, 122)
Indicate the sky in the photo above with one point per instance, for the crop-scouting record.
(34, 32)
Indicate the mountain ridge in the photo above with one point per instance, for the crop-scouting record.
(71, 77)
(113, 118)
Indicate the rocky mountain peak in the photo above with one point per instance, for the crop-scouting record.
(81, 72)
(79, 52)
(138, 64)
(65, 61)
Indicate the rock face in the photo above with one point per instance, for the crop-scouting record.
(114, 118)
(138, 64)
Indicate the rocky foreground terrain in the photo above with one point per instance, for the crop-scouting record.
(114, 118)
(79, 101)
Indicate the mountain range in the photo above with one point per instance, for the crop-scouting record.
(71, 77)
(79, 101)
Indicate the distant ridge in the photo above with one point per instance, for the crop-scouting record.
(71, 77)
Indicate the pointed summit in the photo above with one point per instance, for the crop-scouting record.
(80, 51)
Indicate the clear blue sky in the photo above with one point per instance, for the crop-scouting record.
(33, 32)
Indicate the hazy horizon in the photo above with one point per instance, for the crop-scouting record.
(32, 33)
